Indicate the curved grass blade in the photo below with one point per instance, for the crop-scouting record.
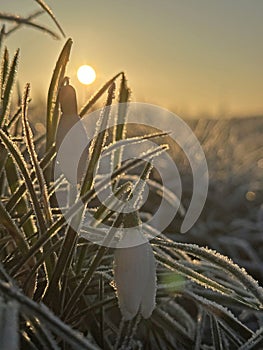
(57, 77)
(75, 339)
(14, 199)
(43, 335)
(43, 258)
(105, 210)
(83, 285)
(13, 181)
(14, 119)
(112, 301)
(97, 144)
(166, 322)
(38, 171)
(8, 86)
(193, 275)
(101, 251)
(13, 230)
(161, 191)
(223, 315)
(2, 35)
(85, 199)
(32, 152)
(131, 141)
(19, 160)
(124, 95)
(221, 261)
(48, 10)
(200, 328)
(119, 131)
(25, 21)
(255, 341)
(216, 333)
(4, 71)
(71, 235)
(98, 94)
(29, 18)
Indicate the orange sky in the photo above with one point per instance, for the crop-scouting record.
(191, 56)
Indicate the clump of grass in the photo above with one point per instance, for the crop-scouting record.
(57, 288)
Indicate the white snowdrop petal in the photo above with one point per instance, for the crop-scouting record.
(149, 294)
(135, 276)
(71, 135)
(130, 274)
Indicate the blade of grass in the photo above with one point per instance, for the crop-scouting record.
(83, 285)
(13, 230)
(2, 35)
(223, 315)
(104, 211)
(200, 328)
(14, 199)
(48, 10)
(57, 77)
(101, 251)
(166, 322)
(98, 94)
(128, 165)
(193, 275)
(29, 18)
(13, 181)
(255, 341)
(219, 260)
(75, 339)
(131, 141)
(43, 335)
(216, 334)
(97, 144)
(119, 131)
(34, 159)
(19, 160)
(21, 20)
(15, 117)
(86, 185)
(4, 71)
(8, 86)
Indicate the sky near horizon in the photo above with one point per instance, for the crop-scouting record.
(194, 57)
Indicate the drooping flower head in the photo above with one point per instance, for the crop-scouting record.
(135, 275)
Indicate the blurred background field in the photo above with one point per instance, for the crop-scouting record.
(58, 288)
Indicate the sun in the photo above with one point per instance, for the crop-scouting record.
(86, 74)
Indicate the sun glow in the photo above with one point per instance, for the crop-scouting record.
(86, 74)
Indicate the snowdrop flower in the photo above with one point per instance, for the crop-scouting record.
(135, 275)
(74, 155)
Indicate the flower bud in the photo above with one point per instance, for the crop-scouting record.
(74, 158)
(135, 276)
